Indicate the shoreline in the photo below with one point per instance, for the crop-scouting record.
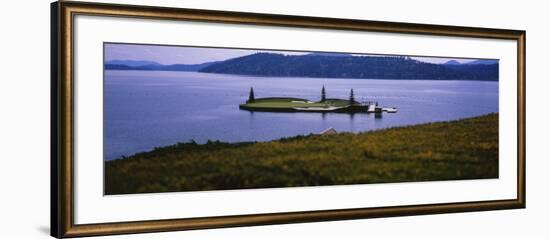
(451, 150)
(290, 137)
(305, 77)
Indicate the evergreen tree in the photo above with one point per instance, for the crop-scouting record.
(251, 96)
(351, 97)
(323, 94)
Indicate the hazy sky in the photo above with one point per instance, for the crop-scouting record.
(196, 55)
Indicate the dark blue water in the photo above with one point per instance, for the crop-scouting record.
(147, 109)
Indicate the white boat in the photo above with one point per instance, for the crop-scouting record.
(390, 110)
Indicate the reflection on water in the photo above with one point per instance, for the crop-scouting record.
(145, 109)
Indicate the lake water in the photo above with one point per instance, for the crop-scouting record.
(147, 109)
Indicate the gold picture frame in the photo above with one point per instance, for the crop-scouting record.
(62, 128)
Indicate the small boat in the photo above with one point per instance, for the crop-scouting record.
(390, 110)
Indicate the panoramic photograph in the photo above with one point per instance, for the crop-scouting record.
(189, 118)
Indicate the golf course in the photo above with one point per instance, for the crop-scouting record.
(287, 104)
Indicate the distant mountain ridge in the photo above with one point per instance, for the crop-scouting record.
(476, 62)
(329, 54)
(329, 65)
(349, 66)
(452, 62)
(482, 62)
(153, 66)
(131, 63)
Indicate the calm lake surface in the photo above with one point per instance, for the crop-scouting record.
(147, 109)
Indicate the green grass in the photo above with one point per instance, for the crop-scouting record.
(463, 149)
(292, 102)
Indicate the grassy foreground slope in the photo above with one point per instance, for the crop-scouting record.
(463, 149)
